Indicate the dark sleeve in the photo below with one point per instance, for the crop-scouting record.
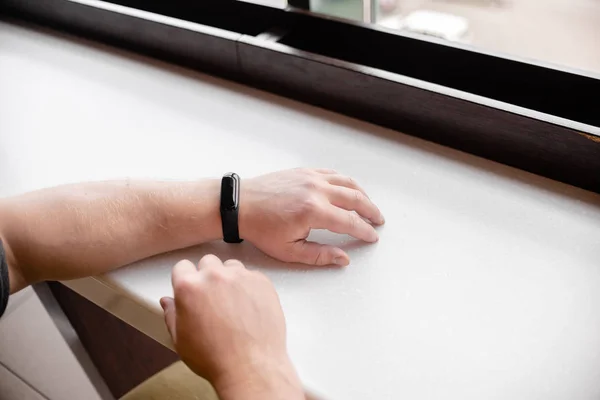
(4, 286)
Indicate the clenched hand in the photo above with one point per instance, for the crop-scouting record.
(227, 325)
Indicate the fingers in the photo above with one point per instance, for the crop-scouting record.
(326, 171)
(185, 268)
(181, 270)
(319, 254)
(355, 200)
(345, 222)
(168, 306)
(344, 181)
(208, 261)
(233, 264)
(184, 277)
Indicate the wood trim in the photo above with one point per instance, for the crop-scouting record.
(555, 138)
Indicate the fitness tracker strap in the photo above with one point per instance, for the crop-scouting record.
(230, 202)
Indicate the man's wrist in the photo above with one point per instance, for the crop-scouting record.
(245, 209)
(266, 381)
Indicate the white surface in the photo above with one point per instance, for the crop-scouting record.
(485, 283)
(13, 388)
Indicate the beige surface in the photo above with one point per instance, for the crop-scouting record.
(176, 382)
(13, 388)
(565, 32)
(32, 348)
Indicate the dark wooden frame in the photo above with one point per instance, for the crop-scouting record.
(528, 115)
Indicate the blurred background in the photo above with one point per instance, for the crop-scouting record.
(562, 32)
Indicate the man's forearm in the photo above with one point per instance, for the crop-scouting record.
(86, 229)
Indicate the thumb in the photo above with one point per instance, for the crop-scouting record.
(320, 254)
(168, 306)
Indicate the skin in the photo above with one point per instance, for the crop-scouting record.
(87, 229)
(227, 325)
(225, 321)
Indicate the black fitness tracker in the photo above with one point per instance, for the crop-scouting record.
(230, 203)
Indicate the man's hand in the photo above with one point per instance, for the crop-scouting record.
(227, 325)
(278, 211)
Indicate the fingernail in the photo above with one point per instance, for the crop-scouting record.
(163, 303)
